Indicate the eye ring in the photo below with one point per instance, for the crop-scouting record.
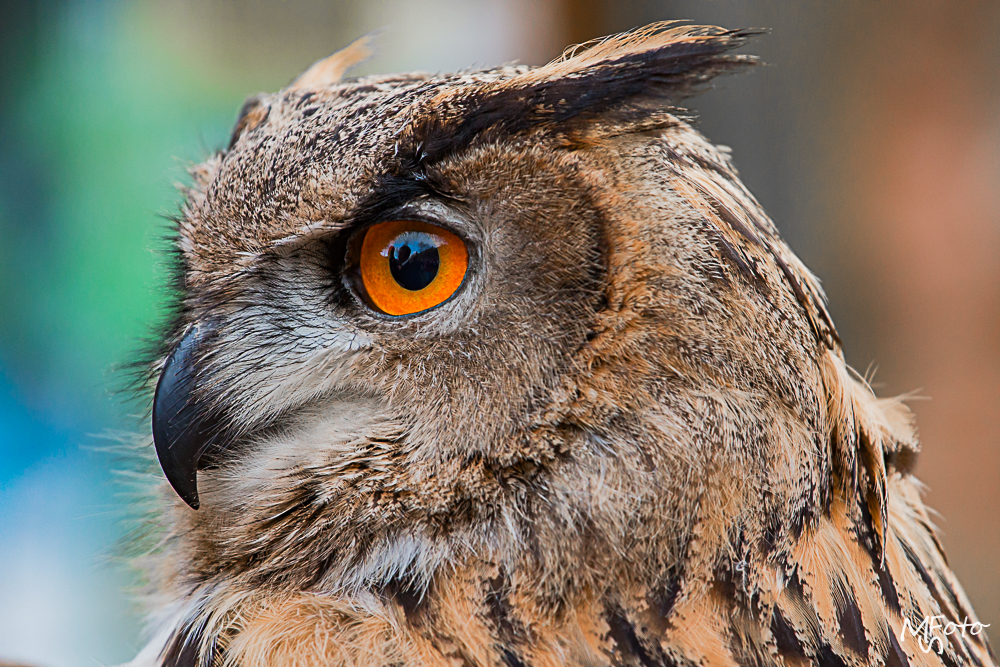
(408, 266)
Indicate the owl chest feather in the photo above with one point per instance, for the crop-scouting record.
(610, 576)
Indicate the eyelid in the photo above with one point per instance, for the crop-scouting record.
(439, 214)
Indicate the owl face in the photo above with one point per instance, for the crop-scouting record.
(416, 309)
(460, 353)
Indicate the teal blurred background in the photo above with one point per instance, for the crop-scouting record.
(873, 140)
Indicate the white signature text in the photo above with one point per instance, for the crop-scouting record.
(931, 634)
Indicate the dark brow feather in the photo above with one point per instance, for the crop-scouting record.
(662, 74)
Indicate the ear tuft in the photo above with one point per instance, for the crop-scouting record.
(668, 53)
(253, 112)
(331, 70)
(622, 77)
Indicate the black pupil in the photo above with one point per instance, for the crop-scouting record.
(413, 263)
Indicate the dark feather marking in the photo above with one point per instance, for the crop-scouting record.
(511, 659)
(727, 176)
(802, 518)
(772, 529)
(394, 191)
(730, 573)
(794, 585)
(928, 581)
(863, 533)
(412, 601)
(672, 71)
(871, 500)
(660, 601)
(744, 645)
(887, 586)
(725, 584)
(948, 657)
(730, 253)
(800, 295)
(903, 459)
(826, 657)
(852, 627)
(832, 337)
(784, 636)
(182, 649)
(498, 605)
(732, 220)
(663, 600)
(509, 632)
(896, 656)
(242, 118)
(952, 597)
(627, 641)
(727, 216)
(796, 591)
(723, 211)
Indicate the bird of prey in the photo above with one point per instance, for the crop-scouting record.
(507, 368)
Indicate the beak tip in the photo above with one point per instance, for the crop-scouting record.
(192, 501)
(187, 489)
(181, 474)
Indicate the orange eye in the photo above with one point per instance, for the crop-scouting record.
(409, 266)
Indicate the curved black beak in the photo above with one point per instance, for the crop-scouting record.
(183, 428)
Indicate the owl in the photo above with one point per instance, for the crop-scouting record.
(507, 368)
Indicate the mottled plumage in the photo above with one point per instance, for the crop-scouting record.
(630, 438)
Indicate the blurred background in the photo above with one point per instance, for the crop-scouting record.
(872, 138)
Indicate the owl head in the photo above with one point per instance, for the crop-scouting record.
(528, 316)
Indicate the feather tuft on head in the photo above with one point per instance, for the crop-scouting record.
(330, 70)
(637, 72)
(687, 54)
